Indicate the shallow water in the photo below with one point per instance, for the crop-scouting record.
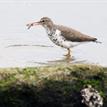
(22, 52)
(20, 47)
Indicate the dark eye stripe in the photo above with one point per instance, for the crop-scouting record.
(43, 21)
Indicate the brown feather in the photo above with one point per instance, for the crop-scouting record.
(73, 35)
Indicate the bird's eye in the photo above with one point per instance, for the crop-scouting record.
(42, 21)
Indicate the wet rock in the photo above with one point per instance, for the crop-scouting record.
(91, 97)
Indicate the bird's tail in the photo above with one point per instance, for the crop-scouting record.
(96, 41)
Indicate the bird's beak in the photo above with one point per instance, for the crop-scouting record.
(33, 24)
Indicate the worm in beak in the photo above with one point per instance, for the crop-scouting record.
(32, 24)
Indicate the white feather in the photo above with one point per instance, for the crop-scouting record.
(59, 40)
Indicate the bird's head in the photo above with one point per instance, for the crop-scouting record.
(44, 21)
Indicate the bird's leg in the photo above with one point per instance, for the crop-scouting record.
(68, 55)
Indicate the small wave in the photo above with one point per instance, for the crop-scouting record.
(20, 45)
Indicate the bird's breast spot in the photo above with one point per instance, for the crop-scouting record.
(58, 39)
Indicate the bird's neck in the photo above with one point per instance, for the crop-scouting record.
(50, 30)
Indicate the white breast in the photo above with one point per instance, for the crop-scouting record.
(59, 40)
(56, 38)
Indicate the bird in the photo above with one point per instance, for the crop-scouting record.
(63, 36)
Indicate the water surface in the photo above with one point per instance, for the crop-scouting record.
(20, 47)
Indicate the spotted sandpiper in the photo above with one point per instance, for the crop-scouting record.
(63, 36)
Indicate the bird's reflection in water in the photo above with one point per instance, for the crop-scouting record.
(66, 60)
(63, 61)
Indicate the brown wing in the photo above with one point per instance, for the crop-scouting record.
(73, 35)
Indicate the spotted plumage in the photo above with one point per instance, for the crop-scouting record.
(57, 38)
(61, 35)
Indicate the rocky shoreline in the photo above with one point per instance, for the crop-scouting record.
(50, 86)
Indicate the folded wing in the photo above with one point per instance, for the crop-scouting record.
(73, 35)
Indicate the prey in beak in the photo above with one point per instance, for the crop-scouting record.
(33, 24)
(43, 21)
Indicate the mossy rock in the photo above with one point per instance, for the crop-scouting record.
(50, 86)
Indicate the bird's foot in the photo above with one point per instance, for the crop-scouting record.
(68, 57)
